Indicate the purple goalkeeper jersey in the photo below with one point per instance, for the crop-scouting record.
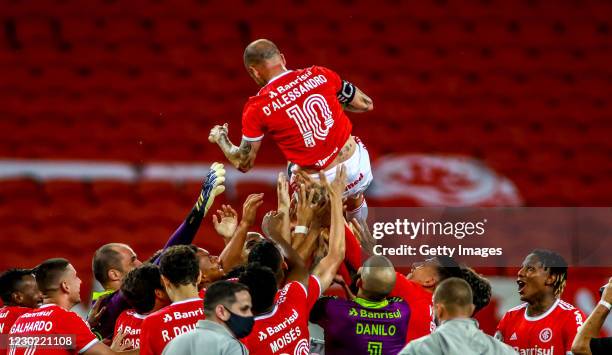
(361, 326)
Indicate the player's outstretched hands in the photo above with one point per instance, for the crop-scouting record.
(306, 207)
(272, 225)
(249, 208)
(282, 193)
(336, 187)
(225, 221)
(212, 186)
(216, 132)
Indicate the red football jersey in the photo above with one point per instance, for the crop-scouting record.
(130, 323)
(8, 316)
(160, 327)
(284, 330)
(300, 111)
(73, 334)
(551, 333)
(421, 306)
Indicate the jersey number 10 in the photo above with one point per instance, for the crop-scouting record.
(314, 124)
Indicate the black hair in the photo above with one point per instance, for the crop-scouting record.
(262, 283)
(105, 258)
(265, 253)
(179, 264)
(556, 266)
(448, 267)
(10, 281)
(49, 272)
(481, 288)
(234, 273)
(221, 292)
(139, 287)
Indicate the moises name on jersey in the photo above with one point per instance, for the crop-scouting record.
(551, 333)
(285, 328)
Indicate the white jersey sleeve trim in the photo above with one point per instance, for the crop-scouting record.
(249, 139)
(319, 283)
(88, 346)
(544, 315)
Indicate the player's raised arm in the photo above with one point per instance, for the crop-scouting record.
(241, 157)
(328, 266)
(353, 99)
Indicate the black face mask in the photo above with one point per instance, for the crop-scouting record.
(239, 325)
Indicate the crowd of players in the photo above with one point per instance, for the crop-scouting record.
(262, 292)
(259, 295)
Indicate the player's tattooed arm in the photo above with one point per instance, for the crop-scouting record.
(242, 157)
(360, 103)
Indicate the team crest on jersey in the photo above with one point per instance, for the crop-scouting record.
(302, 348)
(545, 335)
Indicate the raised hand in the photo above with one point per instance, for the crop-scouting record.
(216, 132)
(282, 193)
(249, 208)
(225, 221)
(306, 207)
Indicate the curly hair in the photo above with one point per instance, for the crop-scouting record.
(139, 287)
(556, 267)
(481, 287)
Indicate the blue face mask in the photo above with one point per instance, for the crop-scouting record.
(239, 325)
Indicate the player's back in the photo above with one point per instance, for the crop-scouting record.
(550, 333)
(130, 324)
(50, 329)
(361, 326)
(285, 328)
(169, 322)
(8, 316)
(300, 110)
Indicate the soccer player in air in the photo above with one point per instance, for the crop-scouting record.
(113, 261)
(544, 324)
(291, 306)
(145, 293)
(19, 294)
(303, 111)
(180, 274)
(53, 323)
(370, 323)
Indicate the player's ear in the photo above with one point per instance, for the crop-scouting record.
(201, 278)
(64, 287)
(472, 309)
(221, 313)
(550, 280)
(283, 60)
(17, 297)
(114, 275)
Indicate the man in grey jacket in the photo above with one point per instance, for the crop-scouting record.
(227, 306)
(458, 334)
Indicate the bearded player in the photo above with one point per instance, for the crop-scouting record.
(303, 111)
(544, 324)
